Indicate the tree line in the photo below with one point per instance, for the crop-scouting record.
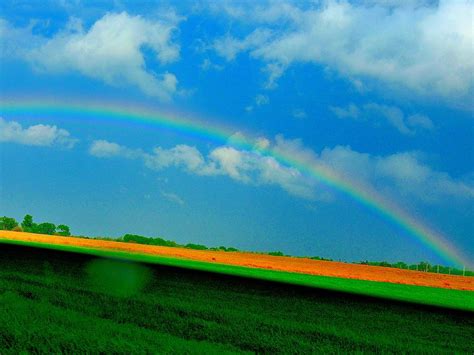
(421, 266)
(28, 225)
(134, 238)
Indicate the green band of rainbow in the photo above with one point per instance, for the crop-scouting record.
(362, 194)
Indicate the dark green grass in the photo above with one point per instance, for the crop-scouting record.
(53, 301)
(456, 299)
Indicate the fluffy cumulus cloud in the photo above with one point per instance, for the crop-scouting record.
(244, 166)
(404, 175)
(423, 46)
(36, 135)
(400, 176)
(394, 116)
(105, 149)
(111, 50)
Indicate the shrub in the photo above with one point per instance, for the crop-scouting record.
(139, 239)
(63, 230)
(196, 246)
(276, 253)
(8, 223)
(45, 228)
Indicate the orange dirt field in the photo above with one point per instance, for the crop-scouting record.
(282, 263)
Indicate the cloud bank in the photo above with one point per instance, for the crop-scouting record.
(394, 116)
(111, 50)
(36, 135)
(400, 176)
(424, 47)
(248, 167)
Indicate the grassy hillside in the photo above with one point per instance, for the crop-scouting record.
(463, 300)
(54, 301)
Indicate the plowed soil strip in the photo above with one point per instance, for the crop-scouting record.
(253, 260)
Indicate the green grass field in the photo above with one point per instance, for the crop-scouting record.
(456, 299)
(57, 301)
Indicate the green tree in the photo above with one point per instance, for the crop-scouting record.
(424, 266)
(28, 225)
(63, 230)
(276, 253)
(8, 223)
(45, 228)
(196, 246)
(400, 265)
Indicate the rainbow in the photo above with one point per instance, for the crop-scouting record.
(215, 132)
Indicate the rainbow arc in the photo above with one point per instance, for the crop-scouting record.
(389, 211)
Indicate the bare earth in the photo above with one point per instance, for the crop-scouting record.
(282, 263)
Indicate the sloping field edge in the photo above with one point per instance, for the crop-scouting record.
(431, 296)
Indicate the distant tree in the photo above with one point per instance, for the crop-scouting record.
(45, 228)
(424, 266)
(17, 229)
(400, 265)
(63, 230)
(7, 223)
(196, 246)
(134, 238)
(28, 225)
(276, 253)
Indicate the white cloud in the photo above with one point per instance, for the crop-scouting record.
(111, 50)
(181, 156)
(207, 65)
(249, 167)
(274, 71)
(420, 121)
(228, 46)
(106, 149)
(426, 48)
(393, 115)
(172, 197)
(299, 113)
(262, 143)
(261, 100)
(399, 176)
(36, 135)
(15, 42)
(352, 111)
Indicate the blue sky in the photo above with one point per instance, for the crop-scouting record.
(381, 92)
